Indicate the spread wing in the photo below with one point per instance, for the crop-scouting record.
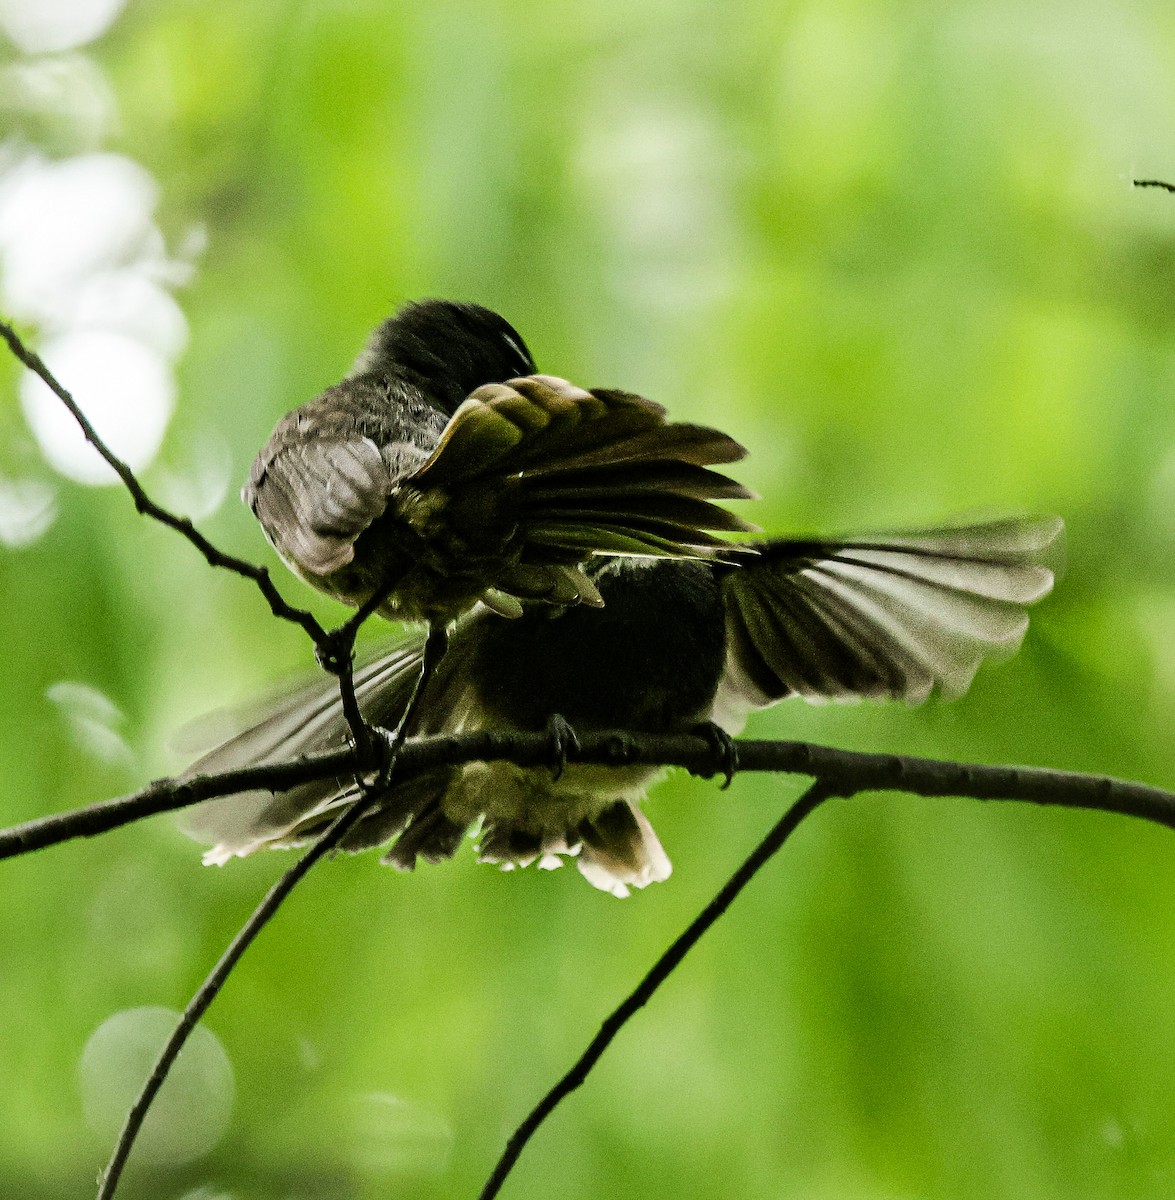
(594, 472)
(573, 474)
(887, 617)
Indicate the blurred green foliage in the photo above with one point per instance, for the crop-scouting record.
(894, 249)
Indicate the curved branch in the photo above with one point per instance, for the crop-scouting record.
(210, 989)
(145, 505)
(643, 992)
(167, 795)
(844, 771)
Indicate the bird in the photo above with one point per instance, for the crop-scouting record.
(678, 645)
(443, 471)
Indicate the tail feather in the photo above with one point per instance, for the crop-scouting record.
(430, 835)
(306, 721)
(620, 850)
(615, 850)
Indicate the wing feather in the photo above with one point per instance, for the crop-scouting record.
(579, 473)
(884, 617)
(308, 721)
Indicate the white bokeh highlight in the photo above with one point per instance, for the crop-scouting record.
(83, 260)
(62, 222)
(28, 507)
(192, 1110)
(66, 96)
(128, 301)
(44, 26)
(203, 479)
(93, 720)
(125, 388)
(82, 257)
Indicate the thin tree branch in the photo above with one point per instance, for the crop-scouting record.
(210, 988)
(342, 644)
(360, 730)
(436, 646)
(145, 505)
(643, 992)
(1154, 183)
(336, 655)
(168, 795)
(844, 770)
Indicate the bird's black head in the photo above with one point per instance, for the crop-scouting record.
(451, 348)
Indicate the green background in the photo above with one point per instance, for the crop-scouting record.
(891, 247)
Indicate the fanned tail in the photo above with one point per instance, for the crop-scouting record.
(615, 849)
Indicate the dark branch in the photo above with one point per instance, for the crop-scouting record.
(148, 507)
(643, 992)
(361, 735)
(1155, 183)
(342, 643)
(335, 650)
(167, 795)
(210, 988)
(843, 771)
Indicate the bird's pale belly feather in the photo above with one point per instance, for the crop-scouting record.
(531, 798)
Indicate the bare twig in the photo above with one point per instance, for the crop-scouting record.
(168, 795)
(845, 778)
(843, 770)
(360, 730)
(643, 992)
(436, 646)
(341, 644)
(145, 505)
(210, 988)
(1155, 183)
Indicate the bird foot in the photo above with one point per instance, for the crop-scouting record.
(725, 750)
(563, 740)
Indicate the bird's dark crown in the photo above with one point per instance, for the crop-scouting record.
(454, 348)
